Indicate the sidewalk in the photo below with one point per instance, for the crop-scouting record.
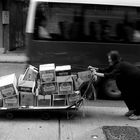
(86, 124)
(17, 56)
(96, 115)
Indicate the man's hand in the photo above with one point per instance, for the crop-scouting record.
(90, 68)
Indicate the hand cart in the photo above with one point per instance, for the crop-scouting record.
(45, 111)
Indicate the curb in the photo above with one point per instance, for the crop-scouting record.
(13, 58)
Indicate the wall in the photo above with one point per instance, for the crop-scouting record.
(1, 29)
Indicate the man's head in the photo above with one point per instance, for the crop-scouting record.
(113, 57)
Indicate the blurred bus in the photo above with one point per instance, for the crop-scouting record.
(81, 33)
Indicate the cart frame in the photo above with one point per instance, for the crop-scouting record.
(47, 109)
(9, 112)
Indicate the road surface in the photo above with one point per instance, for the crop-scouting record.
(9, 68)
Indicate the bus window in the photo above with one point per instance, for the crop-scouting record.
(84, 22)
(42, 30)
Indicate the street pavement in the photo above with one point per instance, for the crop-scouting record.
(13, 57)
(102, 113)
(86, 123)
(13, 62)
(9, 68)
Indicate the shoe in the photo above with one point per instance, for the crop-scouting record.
(129, 113)
(134, 117)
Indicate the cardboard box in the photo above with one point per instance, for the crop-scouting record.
(73, 98)
(44, 100)
(59, 100)
(30, 73)
(47, 73)
(1, 100)
(27, 99)
(85, 75)
(20, 79)
(27, 93)
(63, 70)
(49, 88)
(11, 102)
(27, 86)
(65, 84)
(8, 86)
(77, 82)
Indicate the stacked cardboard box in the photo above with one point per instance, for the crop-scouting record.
(77, 81)
(47, 73)
(27, 93)
(63, 70)
(85, 75)
(59, 100)
(56, 85)
(80, 78)
(64, 84)
(73, 98)
(1, 100)
(48, 85)
(30, 73)
(49, 88)
(8, 91)
(27, 86)
(44, 100)
(11, 102)
(64, 79)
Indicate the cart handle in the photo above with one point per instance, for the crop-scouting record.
(76, 104)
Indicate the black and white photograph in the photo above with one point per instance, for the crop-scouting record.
(69, 70)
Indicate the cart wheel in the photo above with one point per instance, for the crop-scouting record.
(111, 90)
(45, 116)
(9, 116)
(70, 116)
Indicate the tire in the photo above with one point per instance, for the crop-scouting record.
(110, 89)
(89, 92)
(45, 116)
(9, 116)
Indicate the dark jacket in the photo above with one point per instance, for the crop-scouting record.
(127, 75)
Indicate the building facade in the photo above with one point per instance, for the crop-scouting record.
(12, 24)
